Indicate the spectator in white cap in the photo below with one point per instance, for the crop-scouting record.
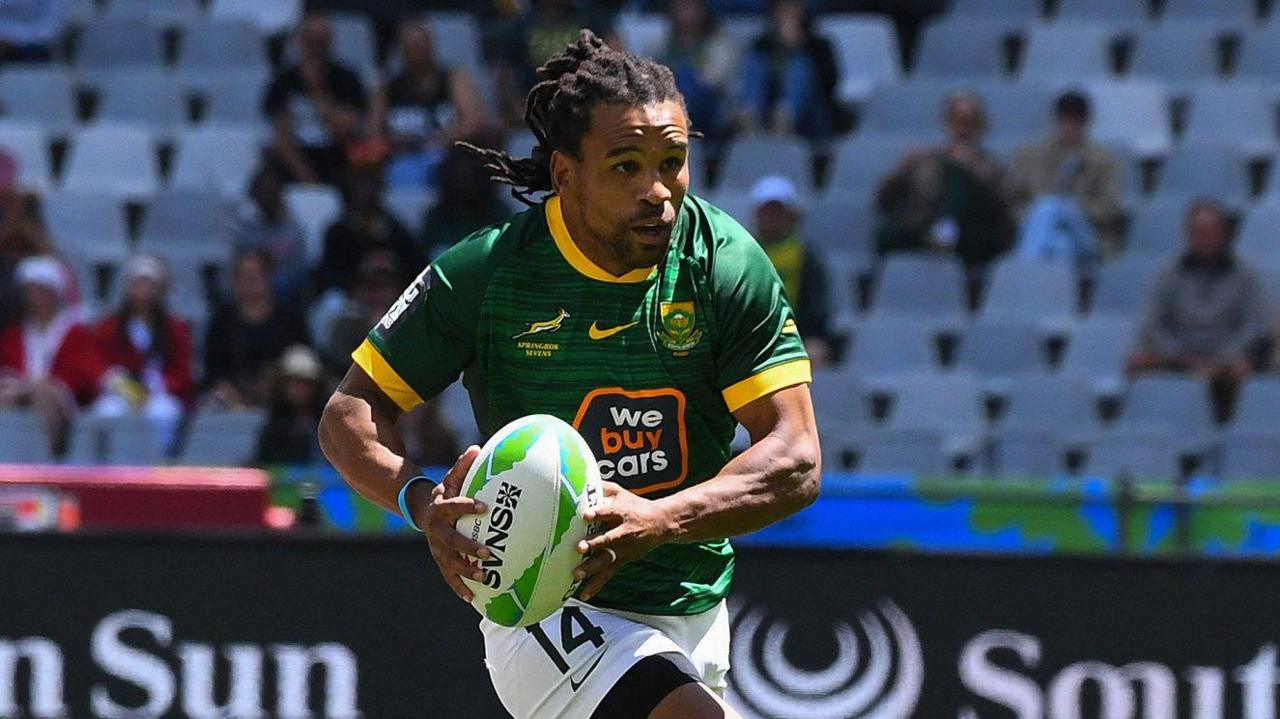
(777, 228)
(148, 351)
(48, 360)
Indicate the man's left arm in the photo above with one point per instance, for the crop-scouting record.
(775, 478)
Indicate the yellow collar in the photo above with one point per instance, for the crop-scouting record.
(574, 256)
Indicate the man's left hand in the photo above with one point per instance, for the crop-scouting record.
(632, 526)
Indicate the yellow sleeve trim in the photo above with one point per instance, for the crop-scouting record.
(387, 379)
(764, 382)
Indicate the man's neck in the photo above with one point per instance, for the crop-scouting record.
(587, 242)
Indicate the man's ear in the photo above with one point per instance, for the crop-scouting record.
(562, 169)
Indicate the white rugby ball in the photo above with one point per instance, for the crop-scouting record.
(537, 477)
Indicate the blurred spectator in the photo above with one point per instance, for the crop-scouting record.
(468, 199)
(1065, 191)
(365, 226)
(297, 399)
(316, 107)
(789, 76)
(1207, 311)
(377, 286)
(703, 58)
(48, 359)
(265, 223)
(948, 198)
(31, 29)
(422, 109)
(777, 216)
(23, 235)
(543, 29)
(248, 336)
(149, 351)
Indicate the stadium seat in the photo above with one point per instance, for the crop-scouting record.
(354, 43)
(1124, 12)
(843, 270)
(409, 206)
(1180, 54)
(997, 351)
(743, 28)
(169, 13)
(210, 50)
(1038, 292)
(127, 440)
(885, 353)
(1140, 456)
(117, 161)
(924, 288)
(235, 98)
(1242, 115)
(1258, 238)
(644, 33)
(1024, 453)
(190, 222)
(218, 438)
(456, 410)
(1259, 55)
(903, 451)
(908, 113)
(863, 160)
(456, 38)
(1122, 287)
(1258, 406)
(841, 410)
(1249, 455)
(867, 52)
(273, 17)
(842, 220)
(22, 438)
(982, 10)
(1225, 12)
(1158, 227)
(1205, 170)
(1097, 352)
(1132, 114)
(87, 226)
(39, 94)
(216, 157)
(1017, 113)
(316, 207)
(960, 50)
(951, 404)
(1173, 404)
(1067, 52)
(106, 45)
(750, 158)
(152, 99)
(1046, 403)
(28, 144)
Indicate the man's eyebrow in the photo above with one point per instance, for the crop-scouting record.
(636, 148)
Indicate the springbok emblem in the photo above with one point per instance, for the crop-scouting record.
(550, 325)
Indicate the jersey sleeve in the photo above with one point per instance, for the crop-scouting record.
(760, 350)
(427, 337)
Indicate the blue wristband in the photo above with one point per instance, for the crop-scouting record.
(404, 507)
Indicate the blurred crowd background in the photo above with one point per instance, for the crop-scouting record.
(1021, 237)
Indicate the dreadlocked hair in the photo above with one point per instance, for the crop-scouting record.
(558, 108)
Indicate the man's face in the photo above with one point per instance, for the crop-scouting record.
(1070, 129)
(774, 221)
(415, 46)
(631, 179)
(314, 38)
(143, 293)
(964, 121)
(41, 301)
(1207, 234)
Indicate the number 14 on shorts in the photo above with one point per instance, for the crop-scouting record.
(575, 630)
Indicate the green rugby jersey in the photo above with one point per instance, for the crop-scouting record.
(648, 366)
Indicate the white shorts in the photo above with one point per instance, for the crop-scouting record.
(565, 665)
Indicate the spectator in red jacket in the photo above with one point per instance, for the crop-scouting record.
(148, 351)
(48, 360)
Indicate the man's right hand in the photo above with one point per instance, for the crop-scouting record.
(438, 514)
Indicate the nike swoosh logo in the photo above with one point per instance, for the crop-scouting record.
(575, 684)
(596, 333)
